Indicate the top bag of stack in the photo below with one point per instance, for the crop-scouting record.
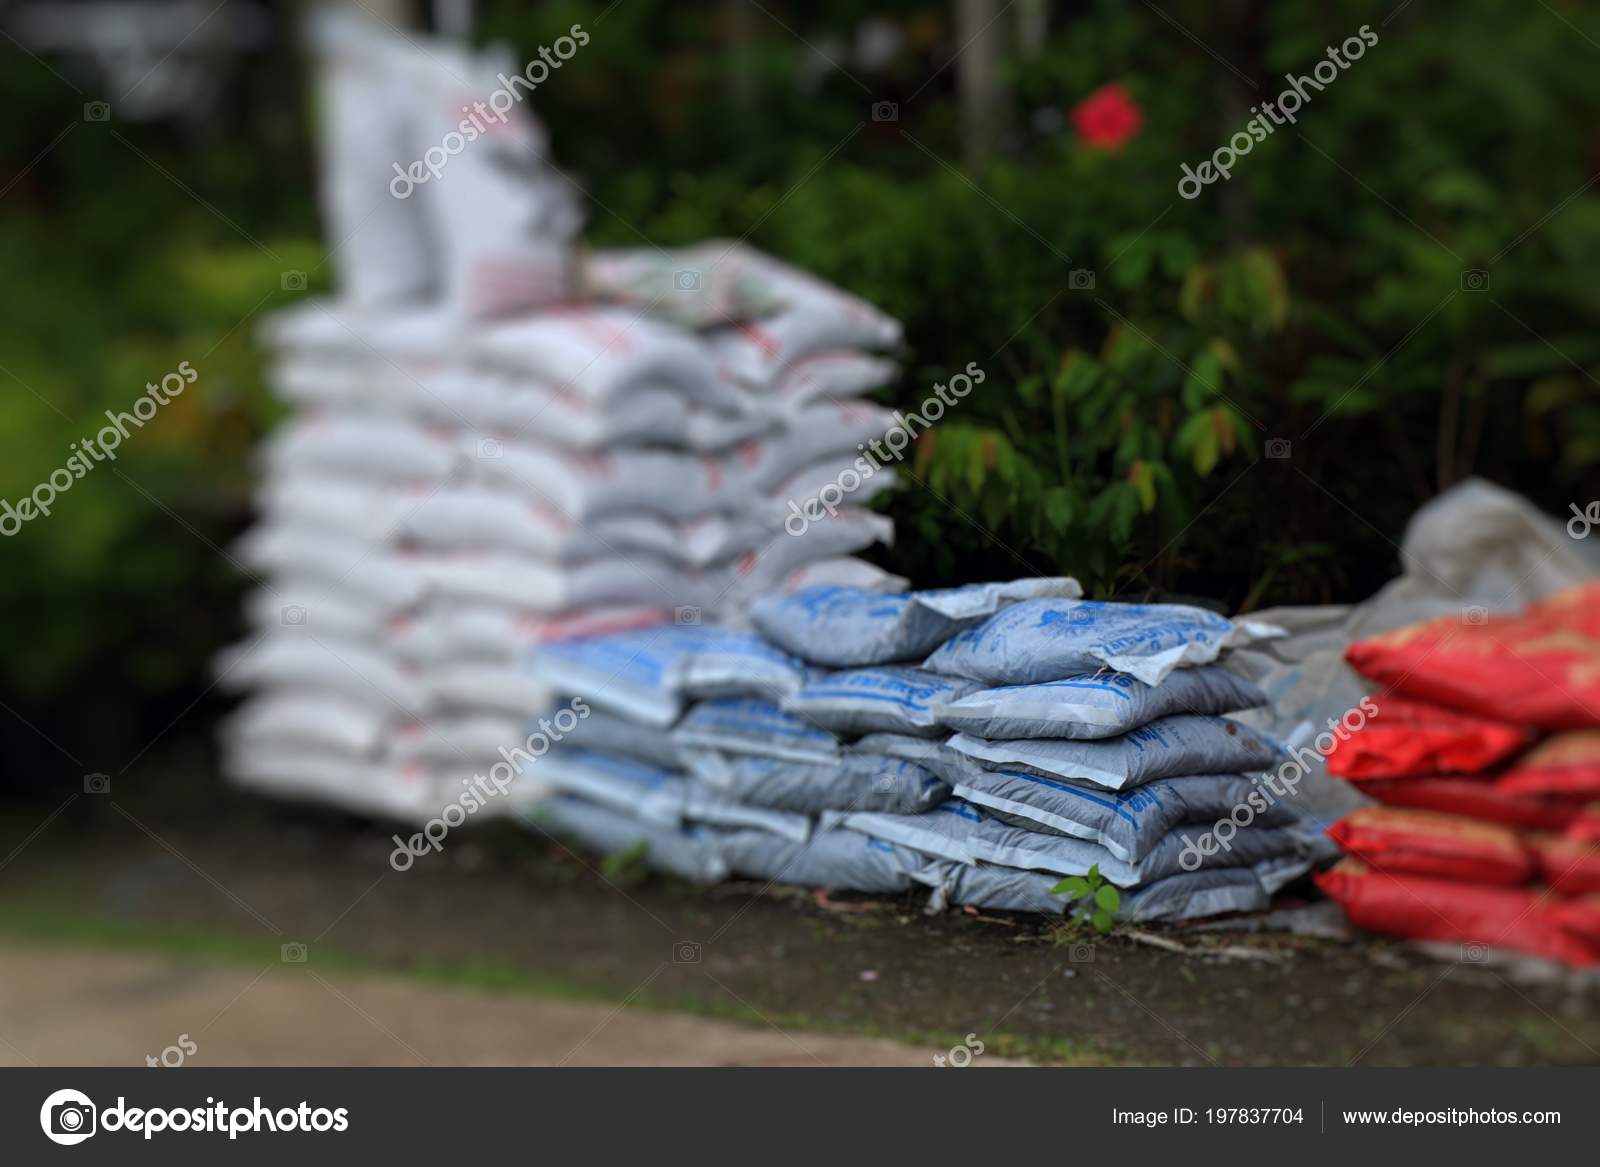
(1052, 639)
(842, 627)
(427, 198)
(1539, 668)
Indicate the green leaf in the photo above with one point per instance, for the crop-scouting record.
(1196, 292)
(1058, 508)
(1198, 438)
(1204, 380)
(1145, 484)
(1102, 921)
(1107, 897)
(1227, 356)
(1077, 375)
(1073, 887)
(1549, 393)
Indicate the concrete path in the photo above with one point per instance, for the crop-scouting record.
(63, 1005)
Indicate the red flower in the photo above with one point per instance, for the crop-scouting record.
(1107, 118)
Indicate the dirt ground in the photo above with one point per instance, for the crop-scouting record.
(73, 1005)
(205, 878)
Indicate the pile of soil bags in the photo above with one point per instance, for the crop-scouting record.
(496, 438)
(984, 742)
(1484, 756)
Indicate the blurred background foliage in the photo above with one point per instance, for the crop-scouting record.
(1322, 303)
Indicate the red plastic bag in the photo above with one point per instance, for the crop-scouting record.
(1424, 842)
(1585, 826)
(1567, 764)
(1581, 918)
(1541, 668)
(1411, 738)
(1420, 908)
(1479, 798)
(1570, 866)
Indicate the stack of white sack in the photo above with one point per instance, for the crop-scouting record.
(1104, 751)
(481, 457)
(445, 498)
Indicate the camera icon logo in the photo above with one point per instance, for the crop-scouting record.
(490, 448)
(68, 1117)
(885, 111)
(687, 280)
(1475, 615)
(1081, 279)
(686, 952)
(294, 281)
(1279, 448)
(97, 111)
(1474, 280)
(1474, 952)
(293, 953)
(293, 616)
(97, 783)
(1081, 954)
(686, 615)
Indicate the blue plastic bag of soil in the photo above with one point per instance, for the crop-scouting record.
(607, 733)
(853, 781)
(647, 674)
(882, 699)
(847, 860)
(1165, 748)
(1053, 639)
(1098, 705)
(658, 796)
(750, 725)
(1188, 896)
(932, 754)
(693, 853)
(1128, 823)
(844, 627)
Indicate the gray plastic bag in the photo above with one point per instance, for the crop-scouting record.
(882, 699)
(932, 754)
(1165, 748)
(839, 859)
(866, 782)
(608, 733)
(1186, 896)
(749, 725)
(1047, 640)
(658, 796)
(647, 674)
(1103, 704)
(693, 853)
(846, 627)
(1128, 823)
(625, 785)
